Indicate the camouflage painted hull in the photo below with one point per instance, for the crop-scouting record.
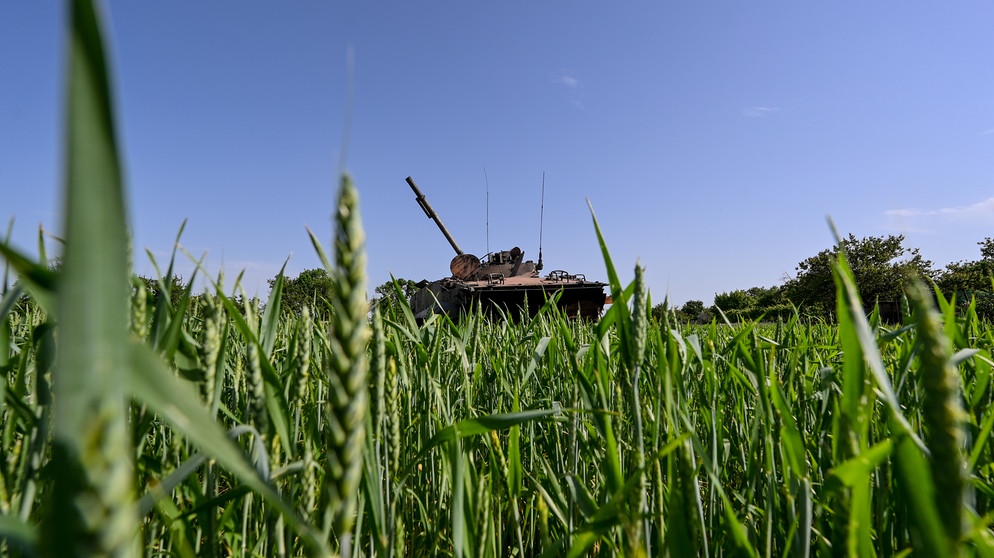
(454, 297)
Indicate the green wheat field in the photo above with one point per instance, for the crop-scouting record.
(201, 426)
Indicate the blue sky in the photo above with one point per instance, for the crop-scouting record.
(711, 139)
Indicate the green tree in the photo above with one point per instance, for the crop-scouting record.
(659, 311)
(692, 309)
(768, 297)
(154, 290)
(964, 277)
(387, 294)
(881, 267)
(987, 249)
(971, 280)
(754, 302)
(311, 287)
(734, 300)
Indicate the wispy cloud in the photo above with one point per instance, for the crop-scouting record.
(573, 85)
(988, 132)
(980, 209)
(760, 112)
(569, 81)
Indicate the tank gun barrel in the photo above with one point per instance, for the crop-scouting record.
(426, 207)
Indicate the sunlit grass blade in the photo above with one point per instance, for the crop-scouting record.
(322, 255)
(618, 317)
(481, 425)
(851, 308)
(172, 333)
(166, 280)
(405, 308)
(42, 250)
(271, 315)
(856, 470)
(620, 297)
(35, 278)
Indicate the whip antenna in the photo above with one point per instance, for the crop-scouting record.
(485, 178)
(541, 220)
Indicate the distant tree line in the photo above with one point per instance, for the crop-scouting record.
(311, 288)
(881, 265)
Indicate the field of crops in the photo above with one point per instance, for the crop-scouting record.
(199, 426)
(487, 438)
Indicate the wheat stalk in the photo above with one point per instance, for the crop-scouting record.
(347, 371)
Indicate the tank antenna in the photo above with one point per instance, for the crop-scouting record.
(487, 179)
(541, 220)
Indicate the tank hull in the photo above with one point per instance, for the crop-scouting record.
(580, 299)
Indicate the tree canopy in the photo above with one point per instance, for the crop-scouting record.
(387, 294)
(153, 288)
(752, 303)
(969, 281)
(310, 288)
(881, 266)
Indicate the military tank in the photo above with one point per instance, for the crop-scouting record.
(502, 283)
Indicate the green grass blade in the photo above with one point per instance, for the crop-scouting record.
(169, 341)
(7, 303)
(980, 444)
(619, 296)
(271, 317)
(857, 469)
(5, 350)
(322, 255)
(6, 265)
(18, 534)
(276, 405)
(37, 279)
(917, 486)
(405, 307)
(458, 516)
(165, 282)
(90, 512)
(147, 502)
(372, 474)
(944, 417)
(792, 442)
(851, 307)
(481, 425)
(612, 274)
